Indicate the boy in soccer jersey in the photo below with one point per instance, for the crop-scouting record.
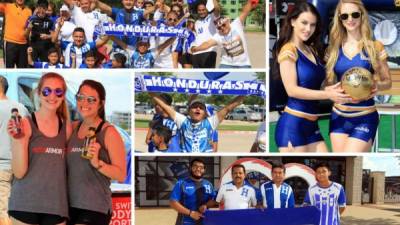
(277, 194)
(197, 129)
(161, 137)
(80, 47)
(191, 196)
(237, 194)
(328, 196)
(53, 60)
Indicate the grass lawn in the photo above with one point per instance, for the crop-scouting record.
(384, 131)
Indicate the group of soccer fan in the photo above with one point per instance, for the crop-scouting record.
(193, 195)
(69, 36)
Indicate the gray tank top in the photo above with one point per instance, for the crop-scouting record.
(43, 189)
(87, 187)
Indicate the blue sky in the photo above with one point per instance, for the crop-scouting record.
(389, 164)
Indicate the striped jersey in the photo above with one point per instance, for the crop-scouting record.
(328, 201)
(274, 197)
(80, 52)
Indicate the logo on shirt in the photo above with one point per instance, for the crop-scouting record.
(48, 150)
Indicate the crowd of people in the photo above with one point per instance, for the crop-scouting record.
(193, 195)
(70, 36)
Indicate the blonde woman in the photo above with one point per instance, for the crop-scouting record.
(353, 125)
(39, 190)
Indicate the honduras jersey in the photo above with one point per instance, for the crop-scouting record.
(191, 194)
(173, 145)
(205, 30)
(88, 21)
(196, 137)
(275, 198)
(121, 16)
(46, 65)
(237, 198)
(80, 52)
(144, 61)
(328, 201)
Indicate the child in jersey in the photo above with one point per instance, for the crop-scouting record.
(118, 61)
(327, 196)
(161, 137)
(90, 61)
(53, 60)
(197, 129)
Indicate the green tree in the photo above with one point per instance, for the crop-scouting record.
(259, 15)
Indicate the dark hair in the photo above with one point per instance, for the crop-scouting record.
(91, 53)
(278, 165)
(164, 132)
(52, 50)
(42, 3)
(285, 35)
(121, 58)
(99, 88)
(166, 98)
(196, 160)
(3, 83)
(322, 164)
(78, 29)
(53, 6)
(239, 166)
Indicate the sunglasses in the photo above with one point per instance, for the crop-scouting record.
(89, 99)
(354, 15)
(46, 91)
(172, 20)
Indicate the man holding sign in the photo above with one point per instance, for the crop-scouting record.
(192, 196)
(237, 194)
(327, 196)
(197, 129)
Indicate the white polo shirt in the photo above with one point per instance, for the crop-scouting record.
(237, 198)
(88, 21)
(205, 30)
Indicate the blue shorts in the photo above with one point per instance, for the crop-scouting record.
(298, 131)
(360, 127)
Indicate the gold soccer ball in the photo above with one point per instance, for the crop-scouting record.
(357, 82)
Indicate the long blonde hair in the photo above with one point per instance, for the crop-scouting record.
(62, 110)
(338, 31)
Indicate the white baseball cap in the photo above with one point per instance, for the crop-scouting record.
(64, 8)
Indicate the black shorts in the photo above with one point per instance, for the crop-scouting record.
(204, 60)
(36, 218)
(88, 217)
(185, 58)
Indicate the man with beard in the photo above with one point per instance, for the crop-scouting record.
(276, 193)
(192, 196)
(237, 194)
(205, 30)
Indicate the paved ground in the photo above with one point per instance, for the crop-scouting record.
(354, 215)
(229, 141)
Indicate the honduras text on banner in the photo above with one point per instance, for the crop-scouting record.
(148, 83)
(292, 216)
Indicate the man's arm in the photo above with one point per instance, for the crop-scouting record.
(217, 8)
(30, 60)
(246, 11)
(164, 45)
(204, 46)
(233, 104)
(168, 109)
(104, 8)
(102, 41)
(185, 211)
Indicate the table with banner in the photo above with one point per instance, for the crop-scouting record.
(121, 204)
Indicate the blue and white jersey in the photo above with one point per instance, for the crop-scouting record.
(46, 65)
(243, 197)
(328, 201)
(80, 52)
(173, 145)
(196, 137)
(121, 16)
(191, 194)
(144, 61)
(274, 197)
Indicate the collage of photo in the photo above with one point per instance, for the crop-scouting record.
(175, 131)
